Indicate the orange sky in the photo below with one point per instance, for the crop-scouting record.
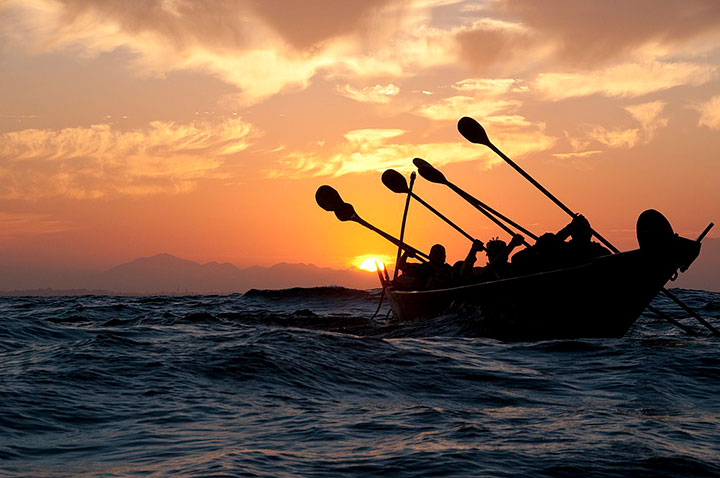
(202, 129)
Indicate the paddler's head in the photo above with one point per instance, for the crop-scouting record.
(581, 230)
(494, 247)
(437, 255)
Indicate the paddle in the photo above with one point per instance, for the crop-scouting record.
(329, 199)
(404, 221)
(433, 175)
(704, 233)
(475, 133)
(396, 183)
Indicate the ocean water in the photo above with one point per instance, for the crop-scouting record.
(301, 383)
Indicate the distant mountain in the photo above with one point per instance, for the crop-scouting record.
(704, 273)
(165, 273)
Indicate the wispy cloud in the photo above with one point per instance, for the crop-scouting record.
(625, 80)
(483, 97)
(648, 115)
(14, 224)
(615, 138)
(454, 107)
(578, 154)
(710, 113)
(375, 150)
(263, 48)
(590, 34)
(370, 94)
(99, 160)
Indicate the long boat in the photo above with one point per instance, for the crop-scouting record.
(599, 299)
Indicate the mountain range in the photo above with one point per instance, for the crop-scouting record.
(167, 274)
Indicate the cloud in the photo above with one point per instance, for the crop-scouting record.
(263, 47)
(371, 150)
(489, 43)
(647, 114)
(455, 107)
(527, 36)
(100, 161)
(29, 224)
(710, 113)
(614, 138)
(483, 97)
(625, 80)
(370, 94)
(489, 86)
(590, 33)
(577, 154)
(304, 25)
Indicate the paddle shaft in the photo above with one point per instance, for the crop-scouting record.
(441, 216)
(672, 321)
(488, 212)
(404, 220)
(562, 206)
(548, 193)
(694, 314)
(704, 233)
(402, 245)
(380, 276)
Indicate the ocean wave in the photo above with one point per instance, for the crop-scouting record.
(282, 383)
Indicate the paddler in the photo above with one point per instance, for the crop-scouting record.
(497, 267)
(434, 274)
(553, 251)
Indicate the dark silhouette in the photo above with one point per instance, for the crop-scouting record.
(329, 199)
(397, 184)
(548, 283)
(432, 174)
(435, 274)
(602, 297)
(497, 266)
(551, 251)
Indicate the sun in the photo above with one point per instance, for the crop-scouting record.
(370, 263)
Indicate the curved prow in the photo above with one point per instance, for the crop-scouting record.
(655, 236)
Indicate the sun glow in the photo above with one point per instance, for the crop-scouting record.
(369, 263)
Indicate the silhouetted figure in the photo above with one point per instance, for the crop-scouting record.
(581, 248)
(551, 251)
(497, 266)
(468, 272)
(498, 255)
(435, 274)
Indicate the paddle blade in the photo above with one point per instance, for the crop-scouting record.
(395, 181)
(427, 171)
(328, 198)
(345, 212)
(472, 131)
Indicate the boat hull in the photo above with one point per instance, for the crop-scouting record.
(602, 298)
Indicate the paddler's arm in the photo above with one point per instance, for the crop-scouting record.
(514, 242)
(402, 263)
(577, 222)
(469, 262)
(565, 232)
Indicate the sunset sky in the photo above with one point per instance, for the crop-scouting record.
(203, 128)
